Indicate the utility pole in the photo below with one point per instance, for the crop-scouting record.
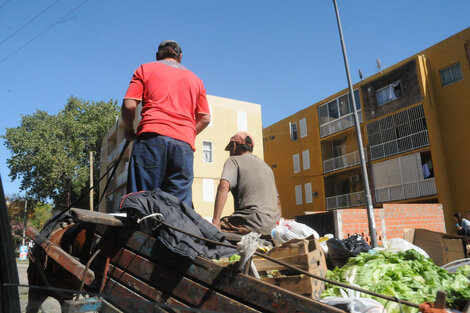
(91, 181)
(25, 218)
(365, 176)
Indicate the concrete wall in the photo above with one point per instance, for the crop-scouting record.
(279, 150)
(452, 106)
(225, 123)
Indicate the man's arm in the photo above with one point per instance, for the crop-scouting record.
(128, 109)
(202, 120)
(220, 199)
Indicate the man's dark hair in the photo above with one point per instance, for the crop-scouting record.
(169, 49)
(247, 147)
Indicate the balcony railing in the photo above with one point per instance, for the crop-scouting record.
(346, 200)
(112, 155)
(344, 161)
(414, 189)
(339, 124)
(122, 177)
(402, 144)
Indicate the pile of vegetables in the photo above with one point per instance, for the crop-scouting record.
(406, 275)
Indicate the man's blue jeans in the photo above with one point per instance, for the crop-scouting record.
(161, 162)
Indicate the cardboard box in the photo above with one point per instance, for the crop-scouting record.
(442, 248)
(305, 254)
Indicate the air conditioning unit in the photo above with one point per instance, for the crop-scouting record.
(355, 178)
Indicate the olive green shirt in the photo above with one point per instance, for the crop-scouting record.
(254, 191)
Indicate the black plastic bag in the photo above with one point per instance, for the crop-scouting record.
(339, 251)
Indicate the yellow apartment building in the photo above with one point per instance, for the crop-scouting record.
(415, 124)
(228, 117)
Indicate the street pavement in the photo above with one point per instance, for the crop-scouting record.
(49, 306)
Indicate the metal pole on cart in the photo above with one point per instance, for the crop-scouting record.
(365, 177)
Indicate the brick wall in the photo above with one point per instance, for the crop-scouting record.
(391, 220)
(411, 93)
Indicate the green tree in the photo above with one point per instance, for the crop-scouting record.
(42, 213)
(36, 216)
(50, 153)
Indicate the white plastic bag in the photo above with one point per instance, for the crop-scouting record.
(287, 230)
(398, 245)
(355, 305)
(247, 247)
(323, 240)
(351, 301)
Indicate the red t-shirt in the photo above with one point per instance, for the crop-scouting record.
(171, 97)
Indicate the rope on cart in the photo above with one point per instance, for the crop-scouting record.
(372, 293)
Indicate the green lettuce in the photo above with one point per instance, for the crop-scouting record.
(406, 275)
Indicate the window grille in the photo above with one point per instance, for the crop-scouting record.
(451, 74)
(397, 133)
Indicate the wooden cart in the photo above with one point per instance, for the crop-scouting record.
(129, 271)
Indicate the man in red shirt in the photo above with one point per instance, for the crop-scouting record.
(174, 111)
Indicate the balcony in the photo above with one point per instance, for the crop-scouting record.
(346, 201)
(410, 190)
(122, 177)
(403, 144)
(344, 161)
(111, 155)
(339, 124)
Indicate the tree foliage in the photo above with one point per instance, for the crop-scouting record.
(50, 153)
(37, 214)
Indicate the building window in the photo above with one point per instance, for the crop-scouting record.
(298, 194)
(296, 160)
(207, 152)
(208, 189)
(293, 131)
(389, 93)
(308, 193)
(305, 160)
(337, 114)
(451, 74)
(242, 121)
(303, 127)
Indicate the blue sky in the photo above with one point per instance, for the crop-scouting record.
(284, 55)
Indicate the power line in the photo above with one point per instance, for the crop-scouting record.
(44, 31)
(4, 4)
(29, 22)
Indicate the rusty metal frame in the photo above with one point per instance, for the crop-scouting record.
(64, 259)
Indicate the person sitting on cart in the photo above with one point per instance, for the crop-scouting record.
(251, 181)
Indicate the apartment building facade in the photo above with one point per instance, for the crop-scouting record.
(228, 117)
(415, 125)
